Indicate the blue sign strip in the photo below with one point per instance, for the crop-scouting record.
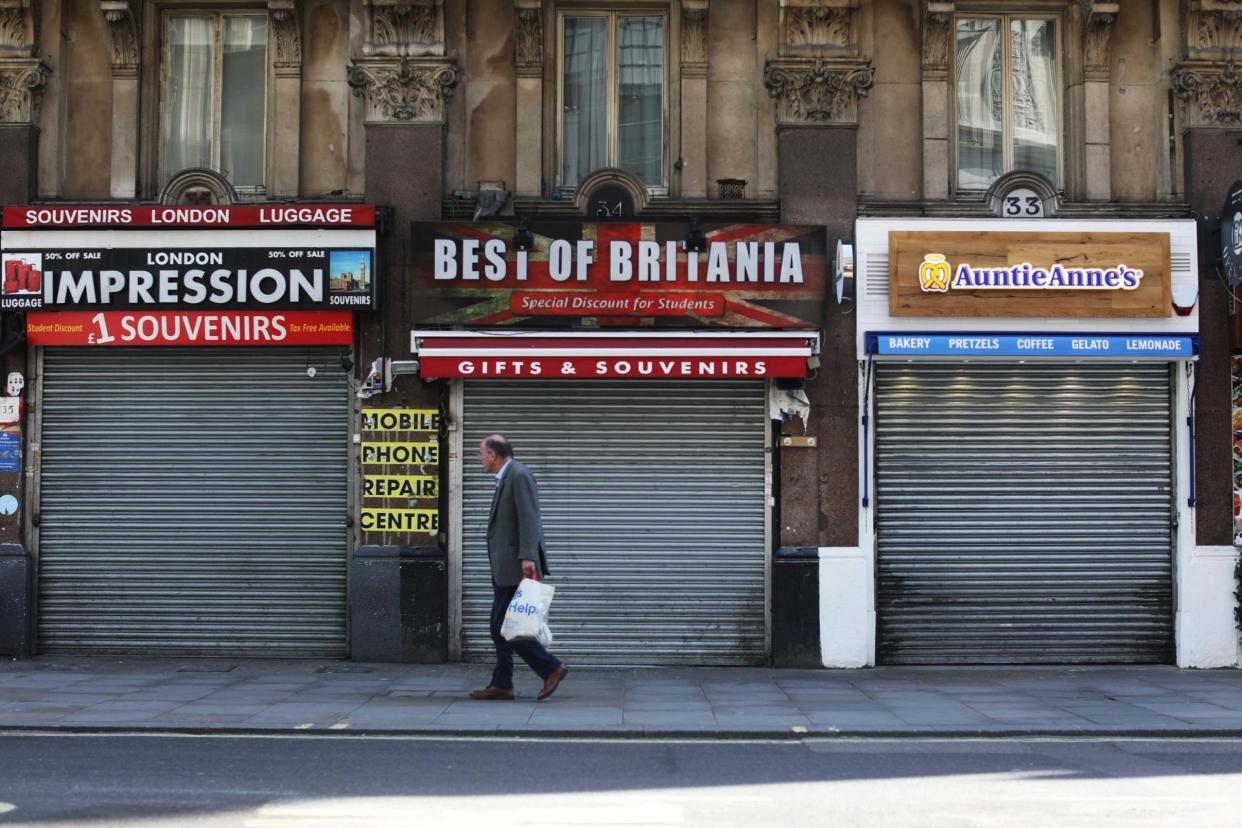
(1034, 345)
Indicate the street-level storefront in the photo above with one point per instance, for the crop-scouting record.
(189, 456)
(1025, 464)
(634, 377)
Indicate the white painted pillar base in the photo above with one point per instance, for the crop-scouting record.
(846, 612)
(1207, 634)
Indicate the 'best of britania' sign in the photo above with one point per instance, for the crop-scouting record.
(735, 275)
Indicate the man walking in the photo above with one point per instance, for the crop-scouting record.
(515, 550)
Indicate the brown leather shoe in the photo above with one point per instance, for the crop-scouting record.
(552, 682)
(490, 693)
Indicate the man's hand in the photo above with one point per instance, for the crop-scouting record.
(529, 571)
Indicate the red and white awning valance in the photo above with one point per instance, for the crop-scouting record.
(620, 354)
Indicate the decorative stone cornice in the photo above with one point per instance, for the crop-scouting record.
(816, 27)
(1213, 29)
(937, 38)
(21, 89)
(694, 38)
(406, 90)
(1098, 21)
(403, 27)
(528, 38)
(123, 26)
(19, 28)
(288, 37)
(1211, 92)
(818, 92)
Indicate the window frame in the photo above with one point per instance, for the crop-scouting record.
(217, 15)
(612, 14)
(1007, 137)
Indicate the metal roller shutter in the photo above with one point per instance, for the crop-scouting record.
(654, 512)
(1023, 513)
(193, 502)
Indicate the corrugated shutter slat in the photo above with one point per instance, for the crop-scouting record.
(1023, 513)
(653, 510)
(193, 502)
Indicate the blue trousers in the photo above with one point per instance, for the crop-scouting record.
(532, 652)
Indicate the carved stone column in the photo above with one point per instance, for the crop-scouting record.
(937, 130)
(285, 176)
(1098, 20)
(122, 17)
(528, 39)
(22, 79)
(694, 21)
(1208, 84)
(817, 81)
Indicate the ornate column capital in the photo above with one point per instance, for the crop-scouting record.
(1211, 93)
(405, 90)
(21, 89)
(123, 26)
(1098, 20)
(528, 38)
(1213, 29)
(809, 28)
(403, 27)
(818, 92)
(19, 28)
(694, 38)
(288, 37)
(937, 38)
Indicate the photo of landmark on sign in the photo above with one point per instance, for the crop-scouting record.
(23, 273)
(350, 271)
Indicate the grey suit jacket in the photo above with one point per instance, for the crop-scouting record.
(515, 530)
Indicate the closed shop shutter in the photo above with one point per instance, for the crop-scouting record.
(193, 502)
(1023, 513)
(654, 512)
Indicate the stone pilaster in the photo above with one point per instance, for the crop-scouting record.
(937, 47)
(1098, 22)
(819, 75)
(528, 58)
(122, 17)
(694, 23)
(284, 178)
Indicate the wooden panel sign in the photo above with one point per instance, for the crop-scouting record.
(1029, 274)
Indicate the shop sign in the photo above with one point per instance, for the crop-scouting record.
(1080, 346)
(184, 270)
(114, 328)
(11, 448)
(400, 454)
(735, 275)
(49, 217)
(612, 367)
(1029, 274)
(1231, 236)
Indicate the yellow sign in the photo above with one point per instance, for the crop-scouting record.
(400, 419)
(401, 520)
(934, 273)
(382, 454)
(400, 485)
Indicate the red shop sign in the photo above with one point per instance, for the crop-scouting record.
(597, 367)
(190, 328)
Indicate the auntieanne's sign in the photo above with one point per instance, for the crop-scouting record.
(1025, 274)
(188, 270)
(745, 275)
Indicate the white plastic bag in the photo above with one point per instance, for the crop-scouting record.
(527, 615)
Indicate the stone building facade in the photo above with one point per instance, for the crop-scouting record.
(764, 113)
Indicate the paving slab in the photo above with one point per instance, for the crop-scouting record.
(324, 697)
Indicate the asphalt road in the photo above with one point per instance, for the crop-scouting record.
(271, 782)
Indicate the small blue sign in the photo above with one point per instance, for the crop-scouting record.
(1123, 346)
(10, 452)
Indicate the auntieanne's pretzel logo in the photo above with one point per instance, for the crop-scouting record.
(936, 275)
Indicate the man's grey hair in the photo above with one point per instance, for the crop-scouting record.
(499, 444)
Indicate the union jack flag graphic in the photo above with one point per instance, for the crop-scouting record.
(619, 273)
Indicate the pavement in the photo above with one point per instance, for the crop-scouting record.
(333, 697)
